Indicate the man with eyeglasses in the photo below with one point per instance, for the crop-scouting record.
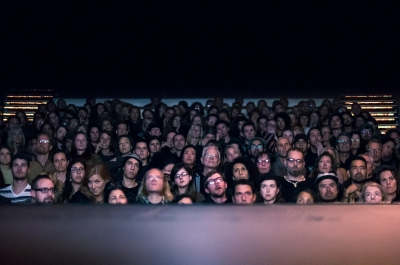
(215, 187)
(294, 178)
(19, 191)
(211, 120)
(42, 163)
(257, 146)
(43, 190)
(343, 145)
(374, 149)
(210, 160)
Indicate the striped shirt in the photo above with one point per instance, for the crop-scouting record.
(23, 197)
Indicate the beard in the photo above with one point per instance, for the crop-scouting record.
(295, 172)
(358, 178)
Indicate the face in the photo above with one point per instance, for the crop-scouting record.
(106, 126)
(182, 178)
(60, 162)
(366, 134)
(222, 130)
(326, 134)
(179, 142)
(5, 157)
(17, 138)
(304, 198)
(264, 164)
(358, 171)
(189, 156)
(347, 120)
(315, 137)
(100, 109)
(343, 144)
(105, 141)
(125, 112)
(388, 182)
(20, 169)
(243, 195)
(282, 146)
(231, 154)
(124, 145)
(61, 132)
(375, 150)
(335, 123)
(142, 150)
(355, 141)
(240, 171)
(77, 173)
(197, 120)
(373, 195)
(294, 163)
(210, 158)
(328, 190)
(370, 164)
(94, 134)
(117, 197)
(80, 142)
(131, 168)
(325, 164)
(176, 121)
(387, 149)
(249, 132)
(73, 124)
(256, 147)
(53, 118)
(155, 131)
(211, 121)
(43, 145)
(134, 114)
(216, 186)
(314, 118)
(280, 123)
(122, 129)
(170, 137)
(196, 132)
(154, 146)
(167, 170)
(96, 185)
(148, 115)
(154, 180)
(269, 190)
(303, 121)
(289, 135)
(40, 196)
(395, 137)
(209, 137)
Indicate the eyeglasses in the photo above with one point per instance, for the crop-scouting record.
(183, 174)
(46, 190)
(211, 156)
(213, 181)
(154, 177)
(213, 121)
(257, 146)
(260, 161)
(343, 142)
(77, 169)
(366, 131)
(378, 150)
(355, 140)
(44, 141)
(292, 161)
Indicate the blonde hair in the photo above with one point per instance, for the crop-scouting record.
(189, 135)
(373, 184)
(165, 191)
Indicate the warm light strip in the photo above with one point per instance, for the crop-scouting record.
(385, 119)
(22, 107)
(370, 102)
(29, 96)
(381, 114)
(377, 96)
(25, 102)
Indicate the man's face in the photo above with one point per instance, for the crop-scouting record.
(358, 171)
(315, 137)
(302, 145)
(262, 124)
(343, 144)
(222, 130)
(142, 150)
(61, 104)
(335, 123)
(107, 126)
(271, 126)
(82, 114)
(211, 121)
(256, 147)
(53, 118)
(328, 190)
(243, 195)
(216, 186)
(348, 120)
(43, 145)
(80, 142)
(375, 150)
(249, 132)
(179, 142)
(134, 114)
(211, 158)
(223, 116)
(147, 114)
(387, 149)
(366, 134)
(60, 162)
(44, 197)
(20, 169)
(154, 180)
(294, 163)
(155, 131)
(122, 129)
(282, 146)
(5, 157)
(131, 168)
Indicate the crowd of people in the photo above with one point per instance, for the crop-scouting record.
(214, 153)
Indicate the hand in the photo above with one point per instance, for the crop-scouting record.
(97, 148)
(319, 147)
(350, 189)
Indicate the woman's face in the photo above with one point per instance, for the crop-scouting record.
(388, 182)
(289, 135)
(124, 145)
(96, 184)
(100, 110)
(106, 126)
(269, 190)
(280, 124)
(182, 178)
(17, 138)
(231, 154)
(77, 173)
(324, 111)
(240, 171)
(61, 132)
(176, 121)
(325, 164)
(373, 195)
(125, 112)
(82, 128)
(47, 129)
(94, 134)
(196, 132)
(264, 164)
(5, 157)
(271, 126)
(80, 142)
(355, 141)
(314, 117)
(189, 156)
(326, 134)
(197, 120)
(304, 198)
(293, 119)
(167, 170)
(105, 141)
(117, 197)
(154, 146)
(304, 121)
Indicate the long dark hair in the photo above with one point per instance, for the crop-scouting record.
(68, 189)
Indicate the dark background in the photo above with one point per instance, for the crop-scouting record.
(201, 48)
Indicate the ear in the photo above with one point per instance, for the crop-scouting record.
(285, 163)
(33, 194)
(190, 178)
(348, 173)
(254, 197)
(202, 160)
(207, 191)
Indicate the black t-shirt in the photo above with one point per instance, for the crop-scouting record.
(310, 160)
(208, 199)
(130, 193)
(288, 189)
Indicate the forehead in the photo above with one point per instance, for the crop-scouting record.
(45, 183)
(358, 163)
(288, 132)
(78, 164)
(372, 189)
(214, 176)
(269, 182)
(249, 127)
(283, 140)
(116, 193)
(95, 177)
(4, 150)
(179, 137)
(242, 188)
(154, 172)
(141, 144)
(124, 139)
(190, 149)
(122, 125)
(374, 145)
(344, 137)
(327, 182)
(211, 150)
(59, 155)
(80, 137)
(295, 154)
(389, 143)
(132, 160)
(256, 142)
(19, 161)
(238, 165)
(314, 131)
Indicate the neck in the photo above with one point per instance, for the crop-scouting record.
(354, 151)
(377, 164)
(61, 175)
(178, 153)
(336, 132)
(390, 197)
(343, 156)
(348, 129)
(42, 158)
(80, 152)
(359, 185)
(75, 187)
(19, 185)
(207, 169)
(182, 190)
(106, 152)
(294, 178)
(227, 139)
(144, 162)
(282, 159)
(269, 202)
(129, 183)
(99, 197)
(4, 167)
(155, 198)
(313, 149)
(221, 199)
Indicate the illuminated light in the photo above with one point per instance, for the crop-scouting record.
(371, 102)
(376, 96)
